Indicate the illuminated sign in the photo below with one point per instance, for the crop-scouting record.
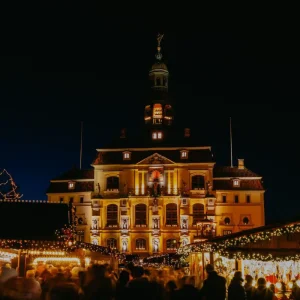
(157, 111)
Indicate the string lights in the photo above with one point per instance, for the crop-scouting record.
(8, 188)
(222, 245)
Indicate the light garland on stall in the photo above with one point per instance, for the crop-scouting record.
(227, 243)
(48, 259)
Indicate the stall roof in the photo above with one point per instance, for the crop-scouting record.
(32, 220)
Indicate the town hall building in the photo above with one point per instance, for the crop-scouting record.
(152, 194)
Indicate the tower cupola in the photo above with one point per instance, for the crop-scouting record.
(159, 110)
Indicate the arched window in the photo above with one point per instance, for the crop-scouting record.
(111, 243)
(140, 244)
(198, 182)
(198, 213)
(112, 183)
(172, 244)
(112, 215)
(171, 214)
(140, 214)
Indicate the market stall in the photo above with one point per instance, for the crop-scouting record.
(272, 252)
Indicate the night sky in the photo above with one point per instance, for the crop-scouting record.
(102, 79)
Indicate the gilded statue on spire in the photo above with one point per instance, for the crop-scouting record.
(159, 38)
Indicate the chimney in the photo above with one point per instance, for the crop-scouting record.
(241, 164)
(187, 132)
(123, 133)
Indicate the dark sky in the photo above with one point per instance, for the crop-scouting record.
(101, 78)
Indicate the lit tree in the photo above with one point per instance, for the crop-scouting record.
(8, 188)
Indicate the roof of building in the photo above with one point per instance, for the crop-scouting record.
(221, 171)
(76, 173)
(62, 187)
(32, 221)
(245, 185)
(116, 157)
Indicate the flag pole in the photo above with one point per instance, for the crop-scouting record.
(80, 161)
(230, 142)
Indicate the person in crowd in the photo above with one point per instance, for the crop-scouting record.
(262, 292)
(249, 288)
(214, 287)
(236, 291)
(121, 286)
(188, 290)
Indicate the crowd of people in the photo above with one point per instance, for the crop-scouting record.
(132, 282)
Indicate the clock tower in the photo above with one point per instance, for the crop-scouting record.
(158, 111)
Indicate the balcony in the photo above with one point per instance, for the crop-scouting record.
(149, 192)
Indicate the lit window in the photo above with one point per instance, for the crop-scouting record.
(236, 182)
(157, 135)
(71, 185)
(184, 154)
(226, 232)
(126, 155)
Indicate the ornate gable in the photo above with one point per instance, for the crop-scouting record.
(155, 159)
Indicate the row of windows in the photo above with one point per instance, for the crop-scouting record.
(236, 198)
(156, 135)
(141, 214)
(245, 221)
(141, 244)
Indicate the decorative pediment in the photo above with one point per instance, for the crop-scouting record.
(156, 159)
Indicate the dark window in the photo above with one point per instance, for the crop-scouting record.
(246, 221)
(61, 199)
(81, 199)
(225, 232)
(197, 182)
(198, 213)
(171, 214)
(236, 199)
(224, 198)
(112, 215)
(140, 214)
(157, 81)
(248, 199)
(227, 220)
(140, 244)
(171, 244)
(71, 200)
(112, 183)
(112, 243)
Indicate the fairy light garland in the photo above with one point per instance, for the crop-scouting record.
(10, 194)
(221, 246)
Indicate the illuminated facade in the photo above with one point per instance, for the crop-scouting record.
(161, 191)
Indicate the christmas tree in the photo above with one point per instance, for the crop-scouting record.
(8, 188)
